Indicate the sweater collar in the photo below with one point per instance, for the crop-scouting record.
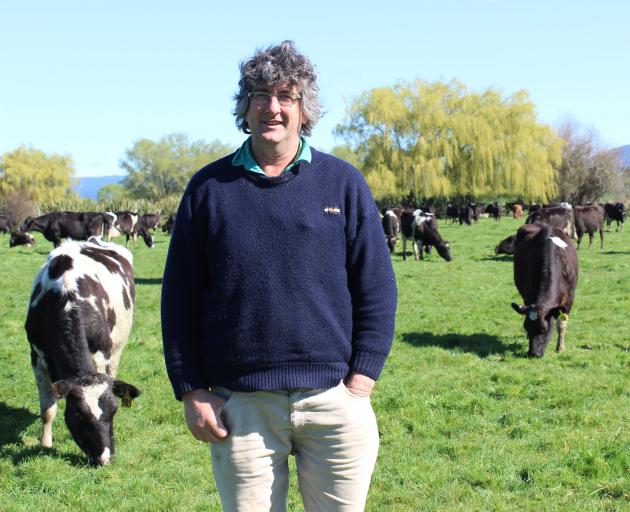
(245, 157)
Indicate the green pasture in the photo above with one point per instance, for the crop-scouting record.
(467, 423)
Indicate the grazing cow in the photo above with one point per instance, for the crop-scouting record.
(452, 212)
(5, 224)
(466, 214)
(128, 224)
(557, 217)
(391, 228)
(168, 225)
(588, 219)
(506, 246)
(615, 212)
(74, 225)
(78, 322)
(21, 239)
(150, 220)
(545, 274)
(421, 229)
(494, 211)
(478, 209)
(518, 211)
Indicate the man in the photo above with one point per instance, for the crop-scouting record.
(278, 303)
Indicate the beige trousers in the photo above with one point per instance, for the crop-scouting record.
(331, 432)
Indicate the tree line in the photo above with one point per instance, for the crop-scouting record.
(427, 141)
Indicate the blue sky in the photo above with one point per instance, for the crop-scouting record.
(88, 78)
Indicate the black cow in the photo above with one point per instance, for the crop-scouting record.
(21, 239)
(588, 219)
(391, 228)
(5, 224)
(478, 209)
(128, 224)
(560, 217)
(545, 274)
(494, 211)
(167, 227)
(73, 225)
(78, 322)
(421, 229)
(452, 212)
(506, 246)
(466, 214)
(615, 212)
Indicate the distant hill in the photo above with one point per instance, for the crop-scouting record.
(88, 187)
(624, 154)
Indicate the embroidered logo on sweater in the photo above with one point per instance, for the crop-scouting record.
(332, 210)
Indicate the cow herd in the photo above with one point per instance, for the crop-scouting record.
(83, 298)
(545, 258)
(58, 225)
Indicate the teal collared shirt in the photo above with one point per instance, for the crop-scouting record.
(245, 158)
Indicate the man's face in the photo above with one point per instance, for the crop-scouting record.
(272, 123)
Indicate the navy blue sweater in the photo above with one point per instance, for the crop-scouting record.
(276, 282)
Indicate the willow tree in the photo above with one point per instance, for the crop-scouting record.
(438, 139)
(36, 176)
(157, 169)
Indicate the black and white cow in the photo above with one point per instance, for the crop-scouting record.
(421, 228)
(150, 220)
(545, 274)
(73, 225)
(78, 322)
(391, 227)
(560, 217)
(128, 224)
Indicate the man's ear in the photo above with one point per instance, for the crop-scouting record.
(519, 309)
(60, 389)
(125, 391)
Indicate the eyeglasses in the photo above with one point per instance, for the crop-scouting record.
(286, 99)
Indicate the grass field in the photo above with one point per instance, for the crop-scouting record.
(467, 422)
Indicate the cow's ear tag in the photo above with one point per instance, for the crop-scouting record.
(564, 317)
(127, 400)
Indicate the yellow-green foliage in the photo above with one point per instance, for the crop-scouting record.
(437, 139)
(156, 169)
(40, 176)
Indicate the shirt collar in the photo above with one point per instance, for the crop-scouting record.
(245, 157)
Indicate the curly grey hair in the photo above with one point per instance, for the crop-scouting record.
(273, 66)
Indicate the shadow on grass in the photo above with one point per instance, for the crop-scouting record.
(606, 253)
(148, 280)
(481, 344)
(503, 257)
(21, 454)
(14, 420)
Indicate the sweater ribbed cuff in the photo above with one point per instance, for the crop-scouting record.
(368, 363)
(184, 383)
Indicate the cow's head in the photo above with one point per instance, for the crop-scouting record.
(26, 225)
(444, 250)
(146, 236)
(21, 239)
(539, 326)
(90, 408)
